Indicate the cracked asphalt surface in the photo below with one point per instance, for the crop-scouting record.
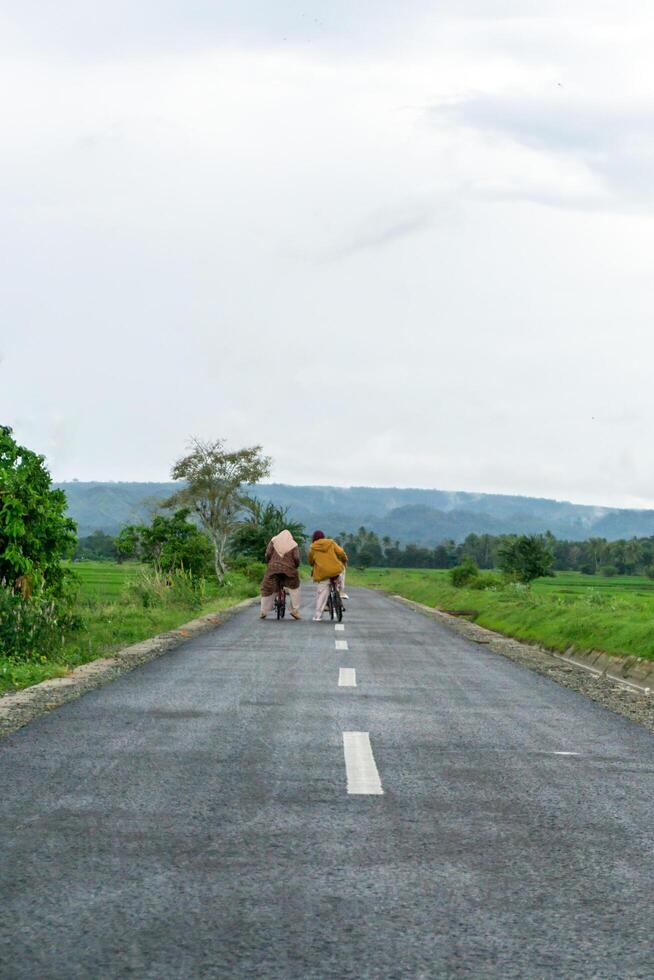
(191, 819)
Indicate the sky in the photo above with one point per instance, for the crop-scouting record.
(397, 244)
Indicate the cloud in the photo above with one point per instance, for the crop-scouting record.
(385, 227)
(612, 142)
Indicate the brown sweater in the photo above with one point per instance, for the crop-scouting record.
(277, 565)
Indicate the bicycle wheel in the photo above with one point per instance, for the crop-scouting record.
(280, 604)
(338, 603)
(330, 606)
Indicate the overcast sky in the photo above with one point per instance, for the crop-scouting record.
(396, 243)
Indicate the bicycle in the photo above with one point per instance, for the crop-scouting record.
(280, 598)
(334, 601)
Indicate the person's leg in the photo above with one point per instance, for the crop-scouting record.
(322, 591)
(294, 595)
(267, 602)
(341, 585)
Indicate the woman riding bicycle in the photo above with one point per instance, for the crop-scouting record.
(327, 560)
(283, 559)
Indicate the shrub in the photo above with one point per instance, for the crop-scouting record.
(649, 571)
(493, 582)
(253, 571)
(608, 571)
(31, 629)
(186, 590)
(464, 574)
(177, 588)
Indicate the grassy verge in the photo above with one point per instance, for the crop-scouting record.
(112, 616)
(571, 610)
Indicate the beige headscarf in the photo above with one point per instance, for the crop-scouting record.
(283, 543)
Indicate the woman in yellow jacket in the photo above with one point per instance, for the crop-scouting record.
(327, 560)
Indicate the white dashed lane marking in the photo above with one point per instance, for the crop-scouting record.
(341, 645)
(339, 627)
(347, 677)
(362, 775)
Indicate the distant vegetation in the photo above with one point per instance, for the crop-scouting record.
(425, 517)
(596, 556)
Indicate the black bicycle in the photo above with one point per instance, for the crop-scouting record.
(280, 598)
(334, 601)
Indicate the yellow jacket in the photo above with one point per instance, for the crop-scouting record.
(326, 558)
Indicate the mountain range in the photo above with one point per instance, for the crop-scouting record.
(417, 516)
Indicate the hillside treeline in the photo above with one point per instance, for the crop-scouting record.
(594, 556)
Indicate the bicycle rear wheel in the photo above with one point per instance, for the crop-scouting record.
(338, 603)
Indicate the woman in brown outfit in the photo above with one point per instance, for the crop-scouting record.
(283, 558)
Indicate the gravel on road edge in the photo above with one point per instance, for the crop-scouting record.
(20, 707)
(633, 704)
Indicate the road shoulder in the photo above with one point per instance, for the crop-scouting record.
(19, 708)
(595, 683)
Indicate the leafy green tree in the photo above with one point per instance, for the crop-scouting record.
(97, 546)
(213, 487)
(35, 532)
(525, 558)
(129, 542)
(250, 539)
(168, 543)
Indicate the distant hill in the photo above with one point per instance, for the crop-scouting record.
(409, 515)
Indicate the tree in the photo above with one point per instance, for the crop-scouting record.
(250, 539)
(97, 546)
(167, 543)
(35, 533)
(214, 489)
(525, 558)
(129, 542)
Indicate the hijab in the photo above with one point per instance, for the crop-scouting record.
(283, 543)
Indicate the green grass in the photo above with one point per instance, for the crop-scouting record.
(585, 612)
(113, 618)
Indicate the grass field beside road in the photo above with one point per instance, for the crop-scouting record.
(585, 612)
(113, 616)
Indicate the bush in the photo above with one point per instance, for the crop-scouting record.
(31, 629)
(608, 571)
(253, 571)
(177, 588)
(493, 582)
(464, 574)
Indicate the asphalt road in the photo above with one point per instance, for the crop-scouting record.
(193, 818)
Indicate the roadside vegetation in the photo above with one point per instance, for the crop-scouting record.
(65, 602)
(613, 614)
